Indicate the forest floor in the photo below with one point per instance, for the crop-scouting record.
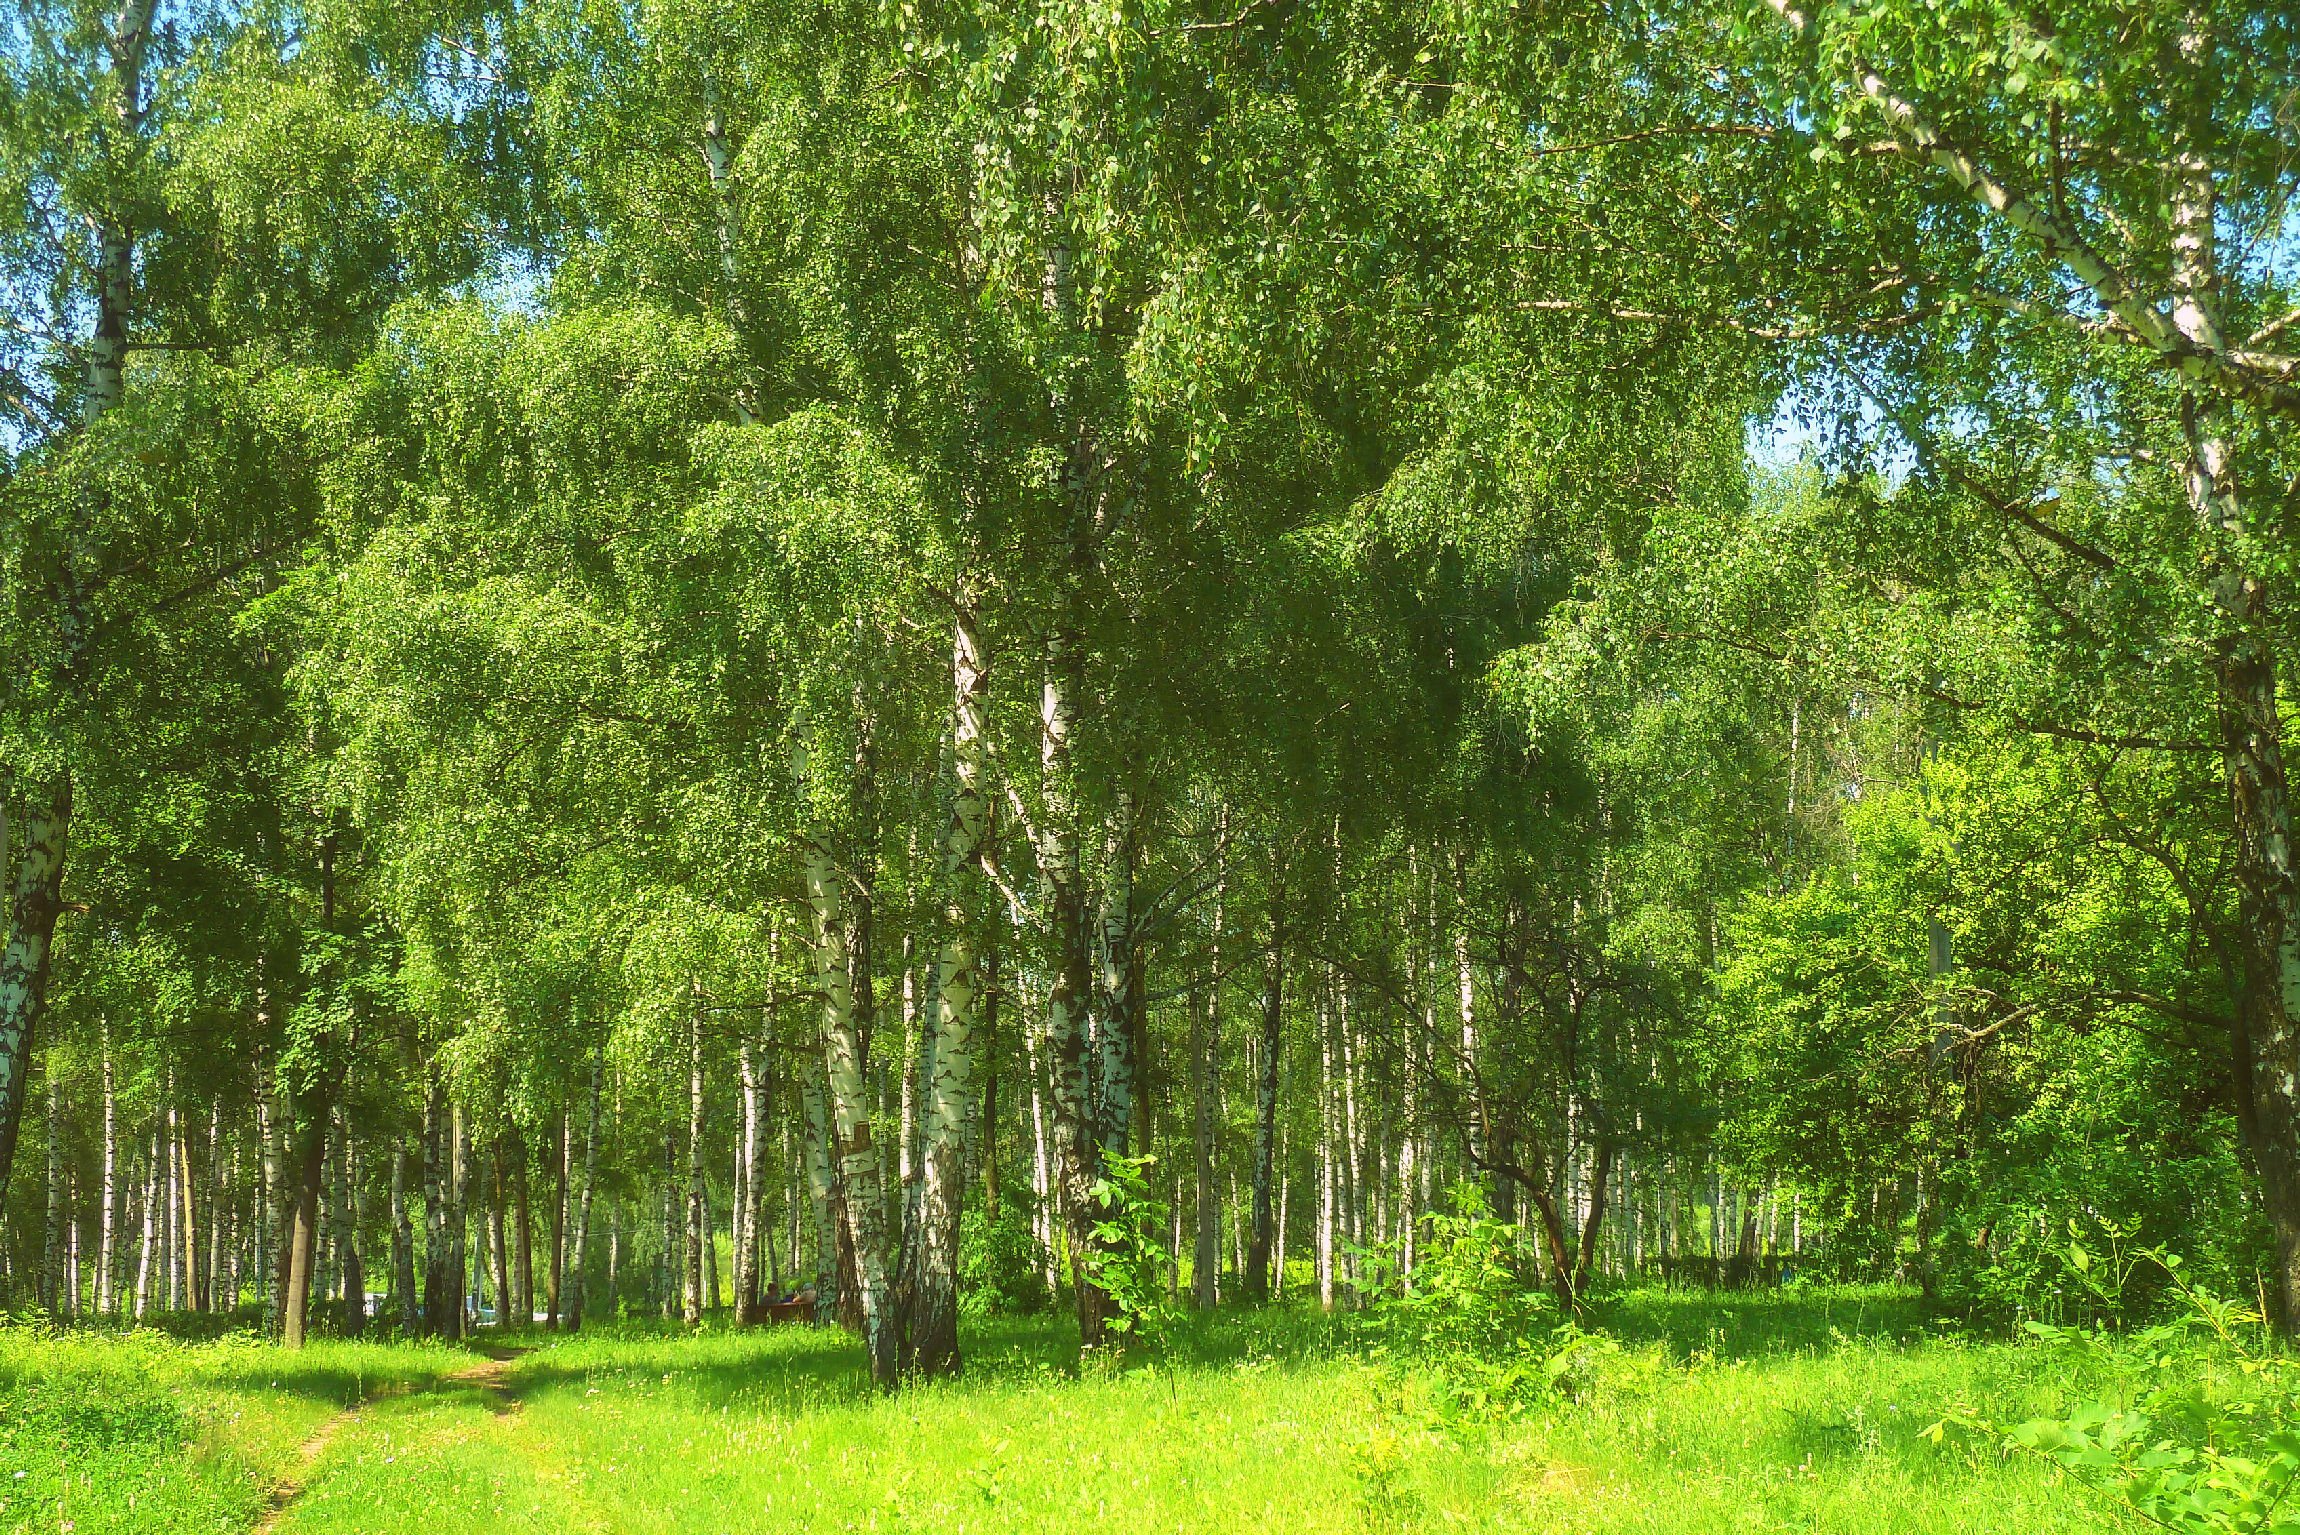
(1791, 1412)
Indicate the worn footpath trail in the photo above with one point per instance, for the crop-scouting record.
(489, 1377)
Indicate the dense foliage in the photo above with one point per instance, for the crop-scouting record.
(895, 660)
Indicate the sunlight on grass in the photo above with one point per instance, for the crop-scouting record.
(1764, 1413)
(137, 1432)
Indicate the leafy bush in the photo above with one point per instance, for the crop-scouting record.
(1481, 1340)
(1127, 1262)
(2174, 1459)
(1001, 1265)
(1470, 1292)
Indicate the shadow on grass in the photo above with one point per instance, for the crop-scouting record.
(1741, 1324)
(801, 1369)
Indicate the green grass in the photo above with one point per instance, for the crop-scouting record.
(1797, 1412)
(140, 1432)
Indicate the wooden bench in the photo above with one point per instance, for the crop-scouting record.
(797, 1309)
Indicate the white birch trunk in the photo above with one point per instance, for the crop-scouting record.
(52, 1244)
(1278, 1251)
(1205, 1228)
(146, 1238)
(580, 1246)
(953, 1048)
(814, 1099)
(848, 1083)
(1206, 1253)
(748, 1141)
(107, 1241)
(1041, 1177)
(1260, 1284)
(1069, 997)
(1113, 1020)
(1326, 1190)
(691, 1309)
(36, 896)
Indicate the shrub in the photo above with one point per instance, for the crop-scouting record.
(1001, 1265)
(1480, 1339)
(1128, 1262)
(2176, 1459)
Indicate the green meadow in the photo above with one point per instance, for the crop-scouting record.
(1792, 1412)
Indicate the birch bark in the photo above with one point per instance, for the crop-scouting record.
(145, 1238)
(107, 1241)
(581, 1245)
(402, 1240)
(691, 1310)
(498, 1231)
(931, 1343)
(1114, 1030)
(522, 1233)
(36, 897)
(748, 1196)
(1070, 993)
(845, 1073)
(1206, 1254)
(52, 1243)
(814, 1103)
(1259, 1254)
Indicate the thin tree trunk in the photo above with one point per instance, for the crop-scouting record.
(402, 1242)
(212, 1282)
(582, 1241)
(954, 1046)
(303, 1241)
(710, 1256)
(988, 1112)
(145, 1243)
(353, 1297)
(353, 1270)
(1206, 1251)
(1042, 1188)
(555, 1277)
(52, 1242)
(458, 1213)
(442, 1305)
(1069, 996)
(1278, 1248)
(742, 1219)
(1114, 1024)
(697, 1218)
(847, 1079)
(668, 1272)
(1258, 1255)
(498, 1234)
(1326, 1136)
(71, 1292)
(1206, 1242)
(34, 904)
(523, 1233)
(261, 1202)
(171, 1219)
(814, 1101)
(107, 1242)
(188, 1186)
(1353, 1142)
(912, 1061)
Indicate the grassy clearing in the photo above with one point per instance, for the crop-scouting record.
(138, 1432)
(1793, 1413)
(1788, 1412)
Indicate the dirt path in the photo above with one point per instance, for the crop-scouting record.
(492, 1376)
